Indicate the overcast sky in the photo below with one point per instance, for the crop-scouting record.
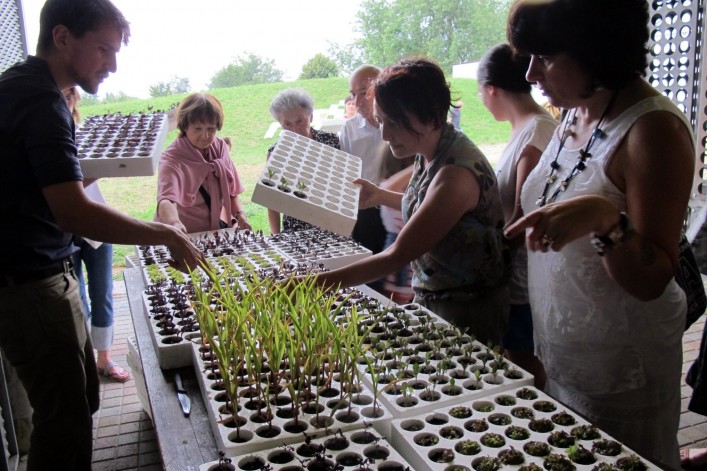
(195, 39)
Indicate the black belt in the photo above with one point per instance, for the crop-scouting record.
(23, 278)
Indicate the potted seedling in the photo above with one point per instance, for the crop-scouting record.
(284, 185)
(511, 456)
(301, 191)
(580, 455)
(269, 180)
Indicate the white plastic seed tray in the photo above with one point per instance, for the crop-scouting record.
(121, 145)
(320, 246)
(256, 435)
(422, 363)
(524, 419)
(361, 449)
(312, 182)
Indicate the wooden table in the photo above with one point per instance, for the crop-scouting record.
(185, 443)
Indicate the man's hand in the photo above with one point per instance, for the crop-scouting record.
(185, 256)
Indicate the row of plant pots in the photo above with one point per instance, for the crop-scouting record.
(167, 296)
(521, 428)
(360, 450)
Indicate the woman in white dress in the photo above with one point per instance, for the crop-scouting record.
(506, 94)
(604, 210)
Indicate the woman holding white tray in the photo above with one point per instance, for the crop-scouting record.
(293, 108)
(198, 185)
(453, 232)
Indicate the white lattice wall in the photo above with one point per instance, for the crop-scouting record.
(675, 68)
(13, 47)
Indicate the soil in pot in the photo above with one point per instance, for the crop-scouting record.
(500, 419)
(580, 455)
(451, 433)
(527, 394)
(426, 439)
(522, 413)
(541, 425)
(376, 452)
(363, 438)
(321, 464)
(515, 432)
(560, 439)
(563, 418)
(336, 443)
(281, 456)
(607, 447)
(349, 459)
(557, 462)
(251, 463)
(476, 425)
(441, 455)
(586, 432)
(460, 412)
(492, 440)
(511, 456)
(487, 463)
(467, 447)
(632, 462)
(544, 406)
(430, 396)
(537, 448)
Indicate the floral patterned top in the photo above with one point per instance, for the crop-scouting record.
(290, 224)
(473, 255)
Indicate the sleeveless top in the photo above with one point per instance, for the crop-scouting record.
(537, 132)
(472, 255)
(593, 337)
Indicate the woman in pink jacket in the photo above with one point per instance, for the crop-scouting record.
(198, 185)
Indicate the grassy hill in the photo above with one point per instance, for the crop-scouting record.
(247, 119)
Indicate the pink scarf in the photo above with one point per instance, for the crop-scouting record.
(188, 170)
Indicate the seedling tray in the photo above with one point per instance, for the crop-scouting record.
(319, 246)
(362, 449)
(256, 435)
(312, 182)
(119, 145)
(422, 363)
(437, 440)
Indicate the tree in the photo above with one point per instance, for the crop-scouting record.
(448, 31)
(346, 57)
(319, 66)
(175, 85)
(246, 70)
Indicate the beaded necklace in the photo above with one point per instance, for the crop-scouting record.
(584, 154)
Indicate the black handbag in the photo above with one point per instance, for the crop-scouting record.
(689, 278)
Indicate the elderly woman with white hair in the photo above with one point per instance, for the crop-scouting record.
(293, 108)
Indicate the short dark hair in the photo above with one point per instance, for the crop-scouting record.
(79, 17)
(199, 108)
(501, 68)
(607, 37)
(415, 86)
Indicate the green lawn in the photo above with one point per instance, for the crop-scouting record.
(246, 120)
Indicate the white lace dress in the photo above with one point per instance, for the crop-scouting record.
(609, 356)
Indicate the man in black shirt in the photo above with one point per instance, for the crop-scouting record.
(42, 204)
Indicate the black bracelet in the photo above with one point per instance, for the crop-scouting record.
(615, 237)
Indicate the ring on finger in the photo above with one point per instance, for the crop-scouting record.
(546, 240)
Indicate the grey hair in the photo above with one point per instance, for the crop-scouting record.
(290, 99)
